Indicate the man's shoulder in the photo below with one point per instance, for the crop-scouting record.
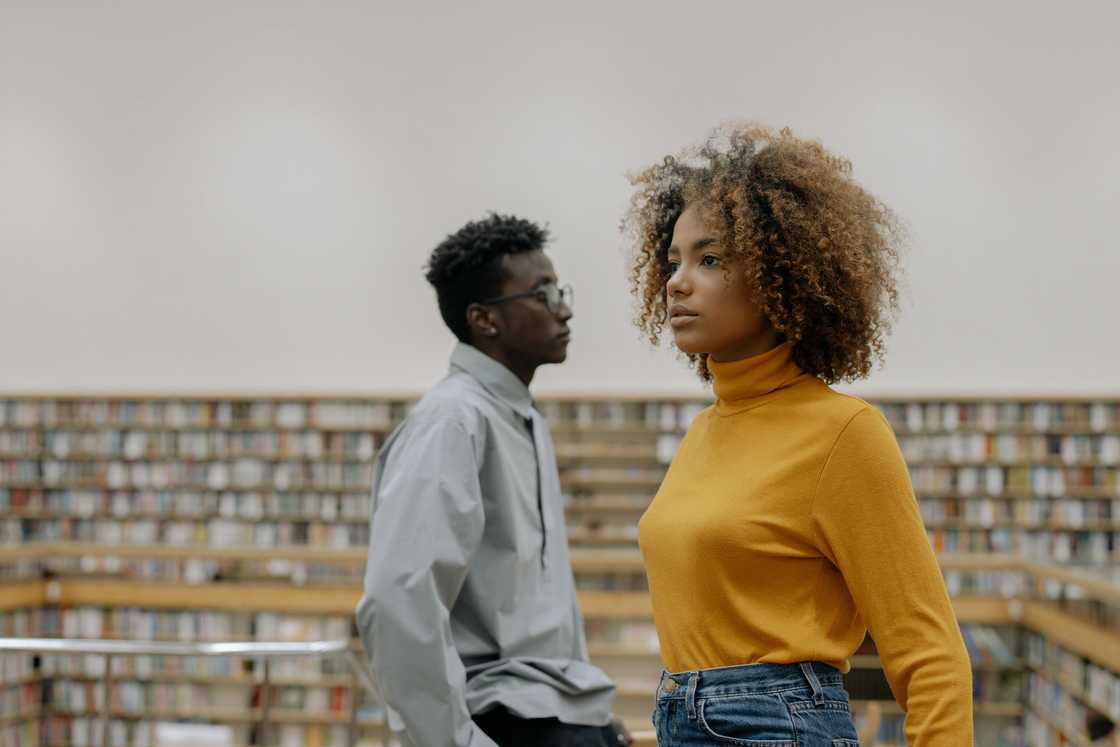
(457, 400)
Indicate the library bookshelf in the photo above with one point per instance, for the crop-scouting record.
(245, 517)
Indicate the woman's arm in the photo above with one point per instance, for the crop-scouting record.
(868, 524)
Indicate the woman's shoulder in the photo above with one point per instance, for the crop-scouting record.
(838, 412)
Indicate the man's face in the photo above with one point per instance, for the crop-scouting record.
(529, 331)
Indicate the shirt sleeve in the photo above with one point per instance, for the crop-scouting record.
(426, 525)
(868, 524)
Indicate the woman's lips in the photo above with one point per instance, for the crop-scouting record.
(680, 315)
(682, 320)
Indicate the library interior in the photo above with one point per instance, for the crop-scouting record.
(214, 316)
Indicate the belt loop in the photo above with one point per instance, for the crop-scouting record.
(818, 691)
(690, 695)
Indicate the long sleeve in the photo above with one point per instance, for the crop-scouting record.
(427, 524)
(868, 524)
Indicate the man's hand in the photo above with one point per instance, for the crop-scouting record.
(622, 734)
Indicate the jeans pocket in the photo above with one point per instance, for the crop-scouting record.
(827, 720)
(752, 720)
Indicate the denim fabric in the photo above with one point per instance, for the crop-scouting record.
(756, 705)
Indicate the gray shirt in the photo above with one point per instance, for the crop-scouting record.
(469, 598)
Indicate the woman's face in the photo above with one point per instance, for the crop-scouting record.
(710, 307)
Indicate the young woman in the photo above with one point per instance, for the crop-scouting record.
(786, 526)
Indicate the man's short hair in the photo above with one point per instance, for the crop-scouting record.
(466, 267)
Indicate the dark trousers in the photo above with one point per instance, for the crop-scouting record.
(511, 731)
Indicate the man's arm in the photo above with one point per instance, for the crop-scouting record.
(427, 523)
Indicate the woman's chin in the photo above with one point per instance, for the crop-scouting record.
(687, 343)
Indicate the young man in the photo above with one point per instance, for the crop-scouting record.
(469, 613)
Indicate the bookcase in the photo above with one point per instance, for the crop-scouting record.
(239, 517)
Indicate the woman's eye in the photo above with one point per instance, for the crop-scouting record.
(673, 267)
(710, 260)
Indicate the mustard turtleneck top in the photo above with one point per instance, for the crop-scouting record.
(785, 528)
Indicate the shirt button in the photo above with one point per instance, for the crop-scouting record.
(669, 684)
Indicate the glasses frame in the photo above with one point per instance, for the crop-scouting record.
(565, 296)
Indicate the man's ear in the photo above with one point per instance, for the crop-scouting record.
(482, 320)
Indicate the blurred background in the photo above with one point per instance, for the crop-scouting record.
(202, 195)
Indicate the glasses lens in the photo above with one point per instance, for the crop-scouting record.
(555, 297)
(551, 297)
(567, 296)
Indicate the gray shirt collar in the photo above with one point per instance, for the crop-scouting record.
(494, 377)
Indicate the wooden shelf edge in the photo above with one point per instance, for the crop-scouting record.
(983, 610)
(1096, 644)
(227, 597)
(23, 594)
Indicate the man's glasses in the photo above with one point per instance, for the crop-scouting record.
(551, 295)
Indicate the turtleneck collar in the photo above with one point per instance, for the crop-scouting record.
(743, 382)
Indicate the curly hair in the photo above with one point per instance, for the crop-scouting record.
(466, 267)
(820, 254)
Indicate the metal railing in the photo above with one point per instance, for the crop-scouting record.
(264, 650)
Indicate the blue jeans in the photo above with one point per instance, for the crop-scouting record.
(756, 705)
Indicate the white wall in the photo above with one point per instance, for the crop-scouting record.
(240, 196)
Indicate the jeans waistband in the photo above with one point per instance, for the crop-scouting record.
(747, 678)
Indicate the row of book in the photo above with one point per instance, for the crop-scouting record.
(953, 541)
(962, 481)
(1041, 729)
(139, 697)
(272, 446)
(916, 417)
(996, 480)
(85, 731)
(20, 733)
(956, 448)
(1000, 584)
(132, 445)
(15, 666)
(243, 474)
(989, 525)
(1058, 706)
(196, 445)
(989, 512)
(194, 571)
(258, 474)
(1083, 680)
(254, 505)
(1041, 417)
(132, 623)
(152, 667)
(175, 504)
(1079, 547)
(23, 623)
(187, 413)
(1072, 547)
(184, 533)
(19, 697)
(933, 416)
